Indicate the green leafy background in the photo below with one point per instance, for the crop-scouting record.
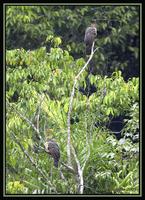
(44, 53)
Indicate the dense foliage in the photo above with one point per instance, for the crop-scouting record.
(45, 52)
(31, 27)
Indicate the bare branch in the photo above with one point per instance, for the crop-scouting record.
(68, 122)
(87, 133)
(79, 173)
(62, 176)
(69, 146)
(71, 104)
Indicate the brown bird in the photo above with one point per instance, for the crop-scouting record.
(90, 34)
(52, 148)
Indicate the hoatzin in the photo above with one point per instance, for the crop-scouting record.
(52, 148)
(90, 34)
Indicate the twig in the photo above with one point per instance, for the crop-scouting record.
(69, 168)
(28, 156)
(38, 112)
(27, 120)
(62, 176)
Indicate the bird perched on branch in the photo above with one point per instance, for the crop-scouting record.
(52, 148)
(90, 34)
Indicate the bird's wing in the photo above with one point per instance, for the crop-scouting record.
(54, 152)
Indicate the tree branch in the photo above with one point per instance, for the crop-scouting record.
(69, 146)
(31, 160)
(28, 121)
(69, 168)
(79, 172)
(38, 113)
(87, 139)
(71, 103)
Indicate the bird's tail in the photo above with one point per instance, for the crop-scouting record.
(56, 163)
(88, 50)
